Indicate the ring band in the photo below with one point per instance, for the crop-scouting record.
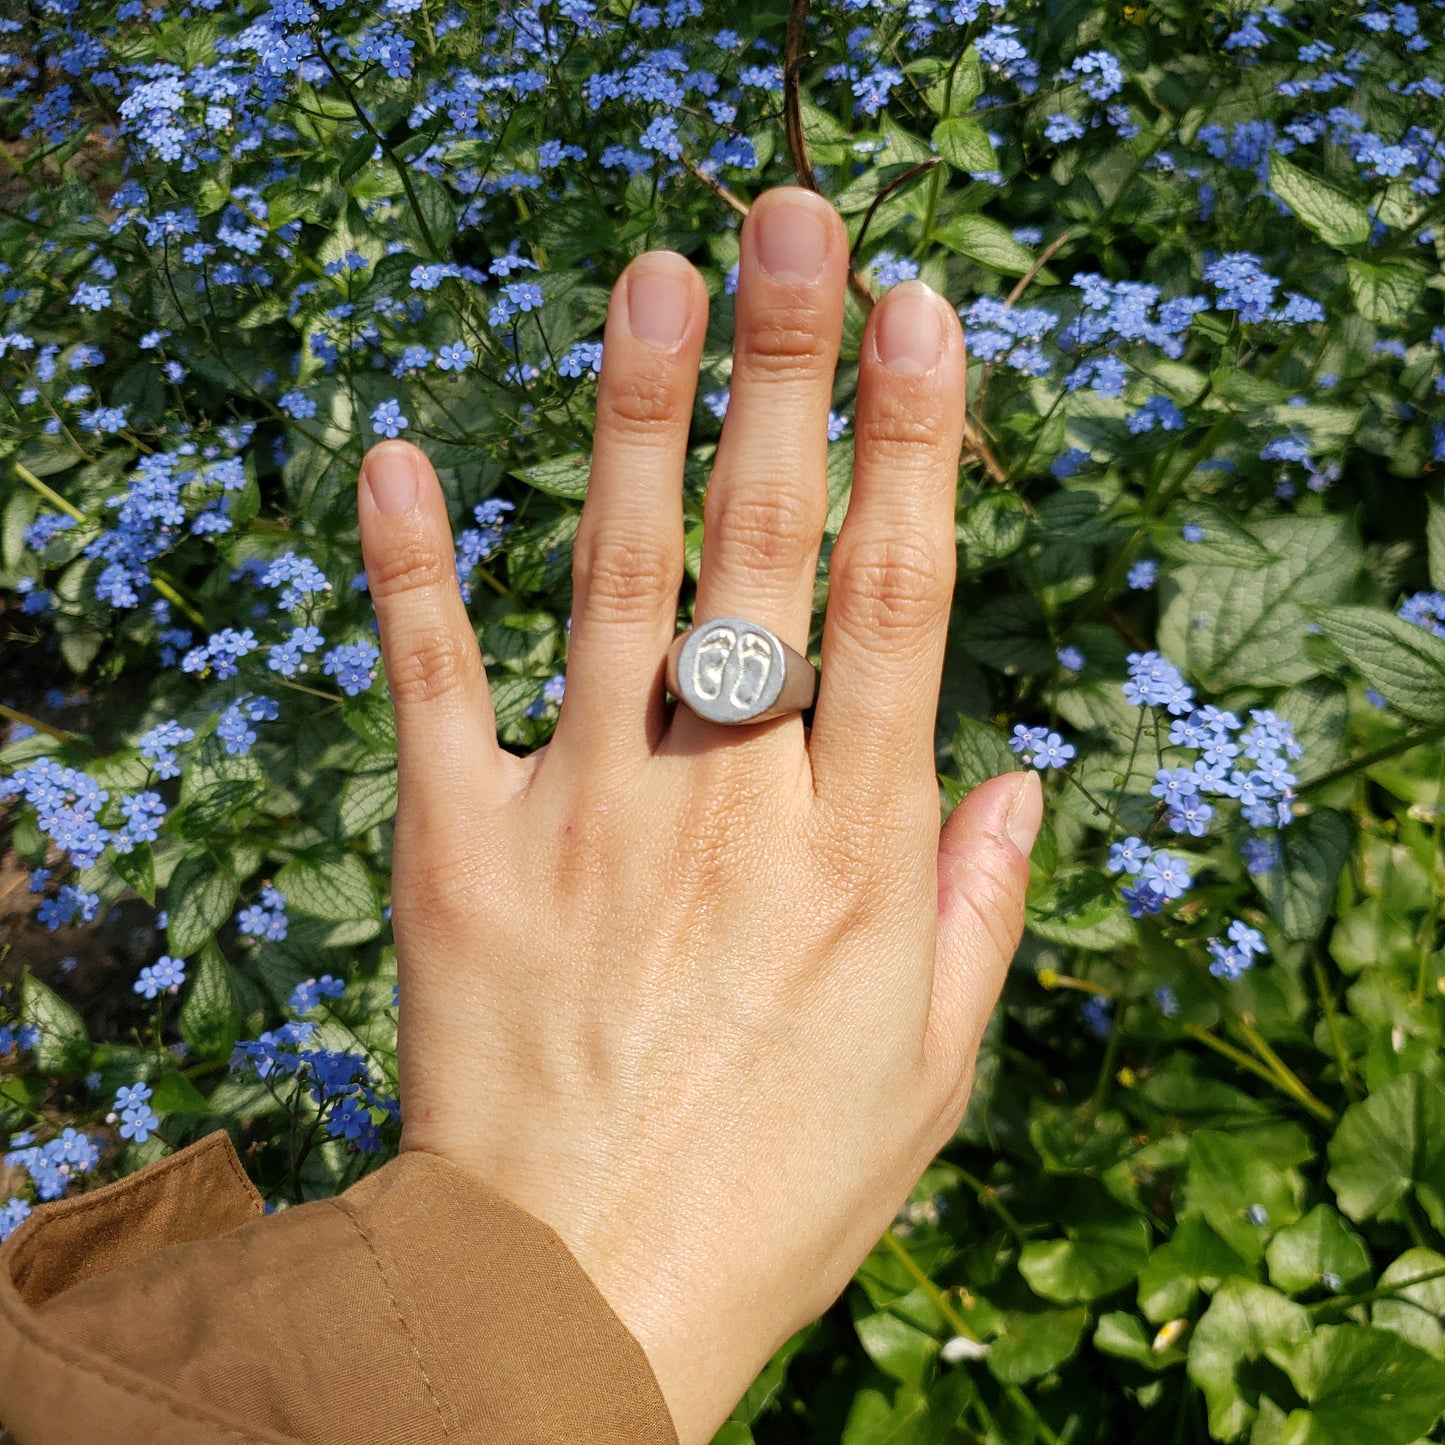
(730, 670)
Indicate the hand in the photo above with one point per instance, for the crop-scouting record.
(706, 999)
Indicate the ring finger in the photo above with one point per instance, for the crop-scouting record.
(767, 498)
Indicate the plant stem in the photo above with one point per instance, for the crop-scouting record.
(53, 497)
(1289, 1081)
(988, 1197)
(1431, 930)
(1366, 760)
(1332, 1022)
(59, 734)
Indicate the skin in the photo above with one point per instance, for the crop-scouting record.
(706, 999)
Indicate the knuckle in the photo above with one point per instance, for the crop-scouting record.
(782, 339)
(432, 665)
(409, 569)
(768, 525)
(902, 424)
(642, 402)
(890, 585)
(994, 909)
(624, 572)
(952, 1086)
(446, 895)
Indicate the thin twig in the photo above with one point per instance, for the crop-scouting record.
(1045, 257)
(793, 59)
(59, 734)
(716, 187)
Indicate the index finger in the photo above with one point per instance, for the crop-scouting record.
(892, 569)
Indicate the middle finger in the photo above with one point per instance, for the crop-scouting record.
(768, 497)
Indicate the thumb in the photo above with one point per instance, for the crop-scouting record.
(983, 873)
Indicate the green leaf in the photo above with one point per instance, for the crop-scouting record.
(1320, 1244)
(902, 1350)
(372, 719)
(1226, 1178)
(875, 1419)
(986, 242)
(329, 884)
(980, 752)
(1404, 662)
(1243, 1321)
(1096, 1257)
(1336, 218)
(1033, 1343)
(173, 1093)
(137, 870)
(1385, 294)
(964, 144)
(1387, 1145)
(967, 82)
(199, 897)
(1228, 624)
(1362, 1384)
(734, 1432)
(216, 804)
(368, 797)
(1414, 1311)
(1124, 1336)
(1225, 541)
(952, 88)
(436, 207)
(355, 156)
(210, 1017)
(1194, 1259)
(564, 477)
(64, 1044)
(1301, 888)
(993, 527)
(1080, 907)
(1435, 542)
(1010, 633)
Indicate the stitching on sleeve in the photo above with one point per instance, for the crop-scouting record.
(346, 1211)
(19, 1317)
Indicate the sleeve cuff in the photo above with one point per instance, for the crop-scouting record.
(420, 1304)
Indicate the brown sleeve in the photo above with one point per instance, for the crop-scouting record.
(418, 1306)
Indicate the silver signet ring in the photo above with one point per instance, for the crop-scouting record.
(730, 670)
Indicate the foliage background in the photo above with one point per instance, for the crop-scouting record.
(1200, 1191)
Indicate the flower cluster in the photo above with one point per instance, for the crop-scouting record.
(266, 918)
(353, 665)
(1042, 748)
(138, 1120)
(67, 805)
(51, 1166)
(234, 726)
(1425, 609)
(165, 975)
(341, 1085)
(1217, 756)
(474, 545)
(308, 994)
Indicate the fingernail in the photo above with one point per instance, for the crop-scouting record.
(1025, 813)
(659, 298)
(793, 238)
(390, 475)
(909, 339)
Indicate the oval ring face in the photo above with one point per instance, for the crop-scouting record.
(730, 670)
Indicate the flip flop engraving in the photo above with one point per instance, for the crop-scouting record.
(755, 662)
(710, 661)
